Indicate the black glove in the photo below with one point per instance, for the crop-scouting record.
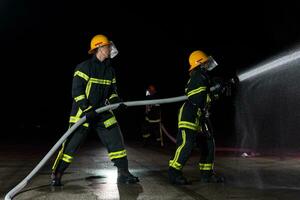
(231, 86)
(90, 115)
(227, 90)
(120, 109)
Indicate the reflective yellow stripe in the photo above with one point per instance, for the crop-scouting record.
(188, 125)
(195, 91)
(117, 154)
(113, 96)
(198, 114)
(208, 99)
(174, 163)
(180, 112)
(79, 112)
(110, 122)
(146, 135)
(59, 156)
(152, 120)
(87, 109)
(67, 158)
(95, 80)
(88, 89)
(82, 75)
(80, 97)
(100, 81)
(76, 119)
(206, 166)
(114, 80)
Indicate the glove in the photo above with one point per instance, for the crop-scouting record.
(230, 86)
(227, 90)
(90, 115)
(120, 109)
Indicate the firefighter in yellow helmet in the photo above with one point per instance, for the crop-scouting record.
(94, 84)
(193, 120)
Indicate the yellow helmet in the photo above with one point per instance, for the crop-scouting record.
(197, 58)
(98, 41)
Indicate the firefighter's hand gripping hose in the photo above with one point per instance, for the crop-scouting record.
(24, 182)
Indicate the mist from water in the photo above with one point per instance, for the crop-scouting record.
(267, 115)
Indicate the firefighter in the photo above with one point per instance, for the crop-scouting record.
(151, 130)
(94, 84)
(193, 119)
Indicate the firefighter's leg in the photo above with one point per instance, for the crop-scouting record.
(207, 147)
(65, 155)
(207, 158)
(146, 134)
(155, 129)
(185, 144)
(112, 138)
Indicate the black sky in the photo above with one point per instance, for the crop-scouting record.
(42, 41)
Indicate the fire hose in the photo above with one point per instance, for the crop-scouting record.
(26, 180)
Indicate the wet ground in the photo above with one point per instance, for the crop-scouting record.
(92, 175)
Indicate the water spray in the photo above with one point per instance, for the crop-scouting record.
(274, 63)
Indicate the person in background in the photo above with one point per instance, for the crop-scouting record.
(151, 130)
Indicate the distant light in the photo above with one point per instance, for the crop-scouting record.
(282, 60)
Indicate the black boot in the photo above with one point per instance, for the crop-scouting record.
(56, 179)
(211, 177)
(176, 177)
(124, 176)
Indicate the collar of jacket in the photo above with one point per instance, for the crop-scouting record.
(200, 70)
(96, 60)
(105, 62)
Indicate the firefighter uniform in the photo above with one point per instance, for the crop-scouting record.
(192, 121)
(189, 123)
(151, 129)
(94, 83)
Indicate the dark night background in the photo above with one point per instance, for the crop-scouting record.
(43, 41)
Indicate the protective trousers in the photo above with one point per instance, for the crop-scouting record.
(111, 138)
(186, 141)
(151, 132)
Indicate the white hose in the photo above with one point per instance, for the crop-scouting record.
(167, 134)
(24, 182)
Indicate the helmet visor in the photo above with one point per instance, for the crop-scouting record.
(211, 63)
(113, 50)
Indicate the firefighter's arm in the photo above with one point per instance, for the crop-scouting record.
(197, 92)
(113, 94)
(114, 97)
(80, 80)
(221, 87)
(218, 88)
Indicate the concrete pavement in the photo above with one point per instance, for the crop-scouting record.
(92, 175)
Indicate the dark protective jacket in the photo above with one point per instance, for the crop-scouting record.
(198, 92)
(94, 84)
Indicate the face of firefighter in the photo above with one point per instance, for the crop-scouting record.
(103, 52)
(151, 89)
(107, 51)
